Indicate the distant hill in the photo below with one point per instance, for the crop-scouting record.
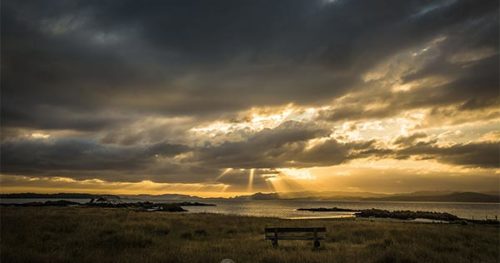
(444, 197)
(309, 195)
(54, 196)
(258, 196)
(434, 196)
(329, 195)
(427, 196)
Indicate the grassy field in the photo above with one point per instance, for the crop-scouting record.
(46, 234)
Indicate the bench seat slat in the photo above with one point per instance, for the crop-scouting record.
(279, 235)
(295, 234)
(293, 237)
(296, 238)
(295, 229)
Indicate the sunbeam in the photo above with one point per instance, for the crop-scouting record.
(223, 174)
(250, 180)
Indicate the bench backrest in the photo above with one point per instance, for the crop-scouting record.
(295, 233)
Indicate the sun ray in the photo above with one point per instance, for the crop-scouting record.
(224, 188)
(283, 183)
(250, 180)
(223, 174)
(270, 185)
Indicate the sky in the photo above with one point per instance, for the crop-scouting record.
(225, 97)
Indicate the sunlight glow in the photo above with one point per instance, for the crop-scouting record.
(250, 180)
(283, 183)
(299, 174)
(257, 119)
(39, 135)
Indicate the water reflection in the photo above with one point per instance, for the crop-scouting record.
(287, 209)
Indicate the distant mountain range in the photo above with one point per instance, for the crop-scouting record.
(310, 195)
(444, 196)
(362, 196)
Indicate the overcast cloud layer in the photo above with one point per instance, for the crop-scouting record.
(181, 91)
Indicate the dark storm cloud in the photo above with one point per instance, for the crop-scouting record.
(55, 118)
(485, 155)
(420, 146)
(472, 83)
(472, 86)
(55, 156)
(269, 148)
(409, 140)
(282, 147)
(101, 66)
(475, 84)
(285, 146)
(179, 57)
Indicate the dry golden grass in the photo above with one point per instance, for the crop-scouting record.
(46, 234)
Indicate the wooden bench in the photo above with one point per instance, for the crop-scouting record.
(295, 233)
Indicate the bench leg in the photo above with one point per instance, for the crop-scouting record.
(316, 243)
(275, 240)
(275, 243)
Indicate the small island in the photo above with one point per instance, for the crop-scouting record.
(402, 215)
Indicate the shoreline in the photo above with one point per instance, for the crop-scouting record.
(316, 213)
(343, 217)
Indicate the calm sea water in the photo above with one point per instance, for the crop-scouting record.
(288, 208)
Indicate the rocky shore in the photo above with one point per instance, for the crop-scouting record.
(402, 215)
(114, 203)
